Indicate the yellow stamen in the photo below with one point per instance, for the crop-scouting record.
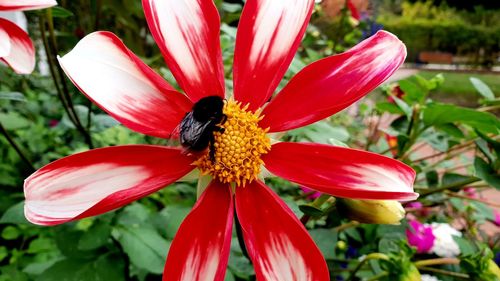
(238, 149)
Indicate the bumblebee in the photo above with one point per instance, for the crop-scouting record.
(198, 126)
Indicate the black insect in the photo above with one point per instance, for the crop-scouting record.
(198, 126)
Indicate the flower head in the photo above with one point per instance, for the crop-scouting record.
(445, 245)
(16, 48)
(187, 32)
(420, 236)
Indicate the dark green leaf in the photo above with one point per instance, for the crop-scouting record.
(96, 236)
(486, 173)
(12, 96)
(311, 210)
(15, 214)
(59, 12)
(326, 240)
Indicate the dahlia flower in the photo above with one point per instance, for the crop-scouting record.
(16, 48)
(187, 32)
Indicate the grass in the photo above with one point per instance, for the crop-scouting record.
(458, 89)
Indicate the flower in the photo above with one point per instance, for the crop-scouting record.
(16, 48)
(497, 218)
(311, 193)
(444, 245)
(187, 32)
(420, 236)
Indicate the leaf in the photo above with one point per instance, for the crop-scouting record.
(240, 266)
(14, 215)
(16, 96)
(389, 107)
(326, 240)
(10, 233)
(439, 114)
(311, 210)
(482, 88)
(452, 178)
(486, 173)
(59, 12)
(96, 237)
(466, 247)
(145, 247)
(106, 267)
(3, 253)
(13, 121)
(413, 93)
(174, 215)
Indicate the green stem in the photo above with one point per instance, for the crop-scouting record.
(318, 202)
(439, 261)
(372, 256)
(378, 276)
(16, 148)
(449, 186)
(444, 272)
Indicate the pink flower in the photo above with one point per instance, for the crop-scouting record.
(420, 236)
(471, 192)
(497, 218)
(354, 11)
(313, 194)
(187, 32)
(16, 48)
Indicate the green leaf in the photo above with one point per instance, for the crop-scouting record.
(145, 247)
(10, 233)
(174, 215)
(452, 178)
(3, 253)
(389, 107)
(310, 210)
(97, 236)
(466, 247)
(482, 88)
(13, 121)
(106, 267)
(14, 215)
(486, 173)
(326, 240)
(16, 96)
(413, 93)
(59, 12)
(40, 245)
(240, 266)
(439, 114)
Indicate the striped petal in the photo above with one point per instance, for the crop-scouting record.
(187, 32)
(341, 171)
(100, 180)
(121, 84)
(200, 250)
(16, 49)
(278, 244)
(269, 34)
(329, 85)
(24, 5)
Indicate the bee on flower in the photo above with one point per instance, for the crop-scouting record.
(238, 141)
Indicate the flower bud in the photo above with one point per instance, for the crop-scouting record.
(371, 211)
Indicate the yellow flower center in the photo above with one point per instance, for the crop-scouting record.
(238, 148)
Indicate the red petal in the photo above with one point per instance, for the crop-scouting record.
(125, 87)
(18, 52)
(341, 171)
(187, 32)
(268, 36)
(278, 244)
(354, 11)
(23, 5)
(200, 250)
(100, 180)
(329, 85)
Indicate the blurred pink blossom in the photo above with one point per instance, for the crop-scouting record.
(313, 194)
(420, 236)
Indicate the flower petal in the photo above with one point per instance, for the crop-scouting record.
(269, 34)
(278, 244)
(329, 85)
(341, 171)
(200, 250)
(20, 56)
(187, 32)
(121, 84)
(24, 5)
(100, 180)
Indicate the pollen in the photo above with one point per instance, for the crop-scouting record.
(238, 148)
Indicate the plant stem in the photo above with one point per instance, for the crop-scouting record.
(52, 57)
(16, 148)
(449, 186)
(318, 202)
(444, 272)
(439, 261)
(345, 226)
(460, 146)
(452, 194)
(378, 276)
(372, 256)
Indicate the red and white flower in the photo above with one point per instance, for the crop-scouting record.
(187, 32)
(16, 48)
